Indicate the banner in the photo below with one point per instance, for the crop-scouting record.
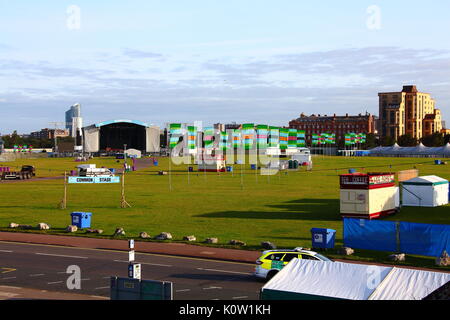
(292, 141)
(175, 132)
(274, 137)
(94, 180)
(208, 137)
(262, 134)
(192, 137)
(284, 137)
(301, 138)
(223, 142)
(248, 135)
(236, 138)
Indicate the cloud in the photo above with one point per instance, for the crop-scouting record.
(272, 89)
(139, 54)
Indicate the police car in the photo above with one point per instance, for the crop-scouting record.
(273, 261)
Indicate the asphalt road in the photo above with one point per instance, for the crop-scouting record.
(44, 267)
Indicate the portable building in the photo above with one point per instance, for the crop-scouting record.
(318, 280)
(368, 196)
(427, 191)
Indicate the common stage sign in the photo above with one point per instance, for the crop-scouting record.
(94, 179)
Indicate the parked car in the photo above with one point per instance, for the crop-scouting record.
(273, 261)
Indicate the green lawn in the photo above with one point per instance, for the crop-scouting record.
(281, 209)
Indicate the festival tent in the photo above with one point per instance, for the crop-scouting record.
(319, 280)
(427, 191)
(419, 150)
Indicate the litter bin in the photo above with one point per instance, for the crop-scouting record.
(229, 169)
(81, 219)
(155, 163)
(253, 166)
(351, 171)
(191, 169)
(438, 162)
(323, 238)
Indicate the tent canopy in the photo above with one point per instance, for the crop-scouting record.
(419, 150)
(308, 279)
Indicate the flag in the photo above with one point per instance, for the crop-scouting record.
(223, 142)
(175, 132)
(208, 137)
(301, 138)
(261, 136)
(274, 137)
(292, 141)
(284, 137)
(248, 135)
(236, 138)
(192, 136)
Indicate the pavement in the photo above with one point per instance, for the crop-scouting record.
(175, 249)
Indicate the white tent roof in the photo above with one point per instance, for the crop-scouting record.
(427, 180)
(417, 150)
(355, 281)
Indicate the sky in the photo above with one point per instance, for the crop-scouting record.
(215, 61)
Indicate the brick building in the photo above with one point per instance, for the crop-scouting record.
(50, 133)
(339, 125)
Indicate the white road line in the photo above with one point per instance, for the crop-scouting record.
(183, 290)
(11, 287)
(225, 271)
(6, 251)
(211, 288)
(100, 297)
(87, 279)
(9, 278)
(55, 282)
(101, 288)
(60, 255)
(146, 263)
(37, 275)
(244, 297)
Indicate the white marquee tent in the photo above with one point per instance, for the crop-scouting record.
(427, 191)
(418, 151)
(318, 280)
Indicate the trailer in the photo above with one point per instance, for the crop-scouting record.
(26, 172)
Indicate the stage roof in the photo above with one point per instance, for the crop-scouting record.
(105, 123)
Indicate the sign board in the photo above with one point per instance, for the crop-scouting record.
(367, 181)
(131, 244)
(131, 256)
(94, 180)
(134, 271)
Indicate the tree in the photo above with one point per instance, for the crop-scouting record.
(434, 140)
(387, 141)
(407, 140)
(371, 141)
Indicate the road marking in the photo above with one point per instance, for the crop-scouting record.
(101, 288)
(37, 275)
(60, 255)
(9, 278)
(87, 279)
(100, 297)
(6, 251)
(55, 282)
(244, 297)
(6, 270)
(8, 294)
(211, 288)
(183, 290)
(146, 263)
(122, 251)
(11, 287)
(225, 271)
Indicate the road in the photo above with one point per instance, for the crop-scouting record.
(44, 267)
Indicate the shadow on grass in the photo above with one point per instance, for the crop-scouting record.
(302, 209)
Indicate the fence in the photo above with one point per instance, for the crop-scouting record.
(405, 237)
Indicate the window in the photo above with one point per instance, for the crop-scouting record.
(289, 256)
(275, 257)
(308, 257)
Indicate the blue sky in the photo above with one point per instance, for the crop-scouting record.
(216, 61)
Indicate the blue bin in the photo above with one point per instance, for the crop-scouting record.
(323, 238)
(113, 171)
(229, 169)
(155, 163)
(351, 171)
(253, 166)
(438, 162)
(81, 219)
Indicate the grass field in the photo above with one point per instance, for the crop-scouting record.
(281, 209)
